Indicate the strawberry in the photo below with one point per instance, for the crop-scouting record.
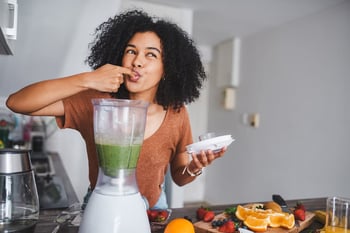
(201, 212)
(162, 215)
(299, 214)
(227, 227)
(157, 215)
(300, 205)
(209, 216)
(152, 215)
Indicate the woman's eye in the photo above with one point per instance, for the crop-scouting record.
(130, 51)
(151, 55)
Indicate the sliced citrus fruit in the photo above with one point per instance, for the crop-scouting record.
(260, 214)
(258, 219)
(179, 225)
(282, 220)
(273, 206)
(289, 221)
(256, 224)
(276, 220)
(242, 212)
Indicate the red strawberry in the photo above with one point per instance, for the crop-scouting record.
(209, 216)
(201, 212)
(299, 214)
(227, 227)
(152, 215)
(162, 215)
(300, 205)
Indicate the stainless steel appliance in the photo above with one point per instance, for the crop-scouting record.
(19, 203)
(51, 189)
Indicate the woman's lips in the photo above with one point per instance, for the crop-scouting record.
(135, 77)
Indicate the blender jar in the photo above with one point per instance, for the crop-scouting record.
(119, 126)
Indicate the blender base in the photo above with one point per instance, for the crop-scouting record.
(115, 214)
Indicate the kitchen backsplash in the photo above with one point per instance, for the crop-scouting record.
(25, 127)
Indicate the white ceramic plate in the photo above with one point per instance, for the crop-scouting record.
(214, 144)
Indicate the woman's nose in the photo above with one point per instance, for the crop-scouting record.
(137, 62)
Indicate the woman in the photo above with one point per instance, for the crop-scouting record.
(133, 56)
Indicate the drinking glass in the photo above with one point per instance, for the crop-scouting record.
(338, 215)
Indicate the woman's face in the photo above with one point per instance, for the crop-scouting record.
(143, 54)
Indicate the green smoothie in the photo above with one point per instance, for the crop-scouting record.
(114, 157)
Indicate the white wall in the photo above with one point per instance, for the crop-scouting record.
(297, 77)
(182, 17)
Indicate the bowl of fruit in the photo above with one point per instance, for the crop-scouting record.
(158, 217)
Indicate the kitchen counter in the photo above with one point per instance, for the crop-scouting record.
(46, 223)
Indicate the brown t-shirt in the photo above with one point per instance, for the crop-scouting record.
(157, 151)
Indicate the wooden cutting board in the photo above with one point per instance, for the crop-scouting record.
(205, 227)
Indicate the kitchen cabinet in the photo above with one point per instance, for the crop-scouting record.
(227, 57)
(8, 25)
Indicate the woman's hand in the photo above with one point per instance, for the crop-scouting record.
(107, 78)
(204, 159)
(185, 172)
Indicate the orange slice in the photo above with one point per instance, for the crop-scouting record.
(289, 221)
(282, 220)
(242, 212)
(259, 214)
(256, 224)
(276, 220)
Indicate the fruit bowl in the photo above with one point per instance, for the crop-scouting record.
(158, 223)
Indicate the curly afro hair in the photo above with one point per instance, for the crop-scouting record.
(183, 69)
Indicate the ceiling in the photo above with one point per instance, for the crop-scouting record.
(217, 20)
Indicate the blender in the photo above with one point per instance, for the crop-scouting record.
(116, 205)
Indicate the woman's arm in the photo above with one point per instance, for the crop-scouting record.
(45, 97)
